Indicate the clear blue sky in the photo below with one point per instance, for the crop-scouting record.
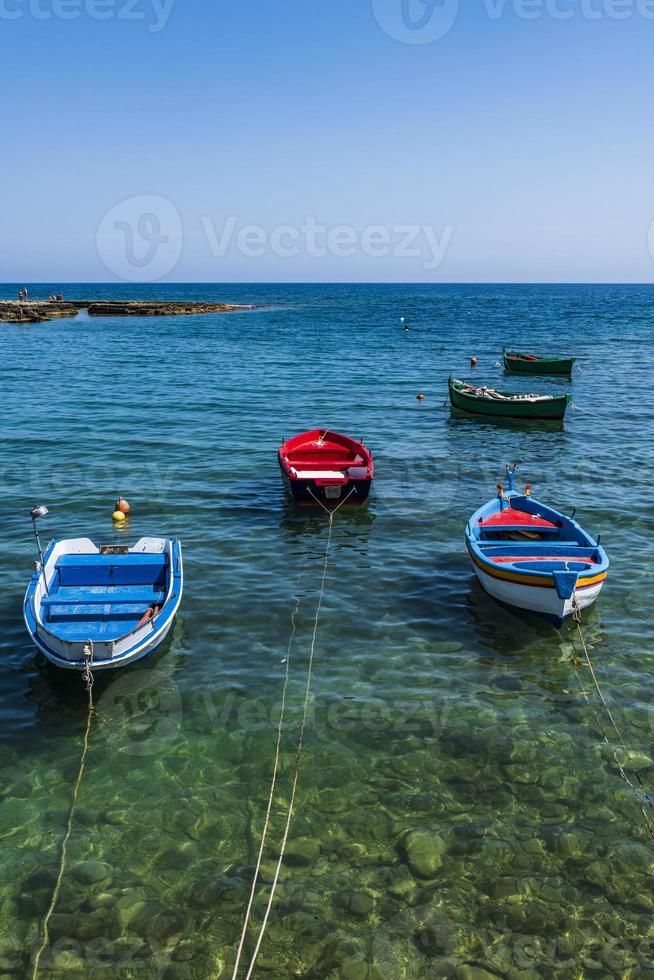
(526, 145)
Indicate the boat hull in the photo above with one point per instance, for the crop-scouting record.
(323, 468)
(552, 410)
(310, 493)
(536, 600)
(533, 559)
(76, 661)
(517, 365)
(72, 617)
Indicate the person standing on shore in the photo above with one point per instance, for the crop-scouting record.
(20, 295)
(25, 295)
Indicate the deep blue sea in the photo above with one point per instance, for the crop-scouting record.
(458, 812)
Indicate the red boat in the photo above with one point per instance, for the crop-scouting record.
(323, 467)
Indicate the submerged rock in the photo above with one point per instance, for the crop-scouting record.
(302, 852)
(357, 903)
(91, 872)
(468, 971)
(423, 852)
(99, 923)
(219, 891)
(154, 921)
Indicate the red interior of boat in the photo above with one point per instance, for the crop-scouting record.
(511, 516)
(321, 450)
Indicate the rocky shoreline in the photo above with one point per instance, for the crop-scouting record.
(40, 311)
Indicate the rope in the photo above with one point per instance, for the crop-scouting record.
(266, 824)
(577, 619)
(336, 509)
(586, 411)
(87, 677)
(298, 755)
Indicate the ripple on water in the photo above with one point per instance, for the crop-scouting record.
(457, 814)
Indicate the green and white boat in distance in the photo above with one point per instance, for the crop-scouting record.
(530, 364)
(503, 404)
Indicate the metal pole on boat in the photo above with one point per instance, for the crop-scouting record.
(36, 513)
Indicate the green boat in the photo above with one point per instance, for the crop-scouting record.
(530, 364)
(503, 404)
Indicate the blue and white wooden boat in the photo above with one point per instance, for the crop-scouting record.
(530, 557)
(114, 604)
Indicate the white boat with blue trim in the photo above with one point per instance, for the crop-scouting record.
(530, 557)
(110, 605)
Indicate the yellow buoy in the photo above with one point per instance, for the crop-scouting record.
(119, 517)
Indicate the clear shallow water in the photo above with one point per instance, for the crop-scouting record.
(457, 812)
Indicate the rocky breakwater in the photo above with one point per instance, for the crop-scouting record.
(40, 311)
(146, 308)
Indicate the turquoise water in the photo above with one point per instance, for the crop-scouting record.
(458, 813)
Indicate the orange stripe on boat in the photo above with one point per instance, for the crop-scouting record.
(534, 580)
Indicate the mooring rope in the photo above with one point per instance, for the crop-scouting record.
(336, 509)
(577, 619)
(298, 756)
(586, 411)
(266, 823)
(87, 676)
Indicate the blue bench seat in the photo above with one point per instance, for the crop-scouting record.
(132, 569)
(93, 629)
(97, 612)
(102, 594)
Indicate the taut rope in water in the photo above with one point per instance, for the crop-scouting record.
(266, 823)
(298, 755)
(621, 769)
(87, 676)
(298, 759)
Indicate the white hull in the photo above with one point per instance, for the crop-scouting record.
(74, 659)
(535, 599)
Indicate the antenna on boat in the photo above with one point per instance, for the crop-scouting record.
(35, 514)
(510, 472)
